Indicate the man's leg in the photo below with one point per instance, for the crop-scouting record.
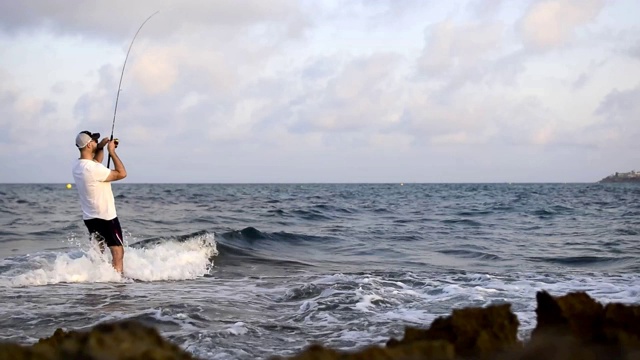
(99, 240)
(115, 244)
(94, 233)
(110, 234)
(117, 253)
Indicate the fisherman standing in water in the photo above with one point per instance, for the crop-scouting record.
(93, 181)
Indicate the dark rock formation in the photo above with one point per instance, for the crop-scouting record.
(121, 340)
(434, 350)
(573, 326)
(473, 332)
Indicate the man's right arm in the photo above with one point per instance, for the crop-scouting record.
(119, 172)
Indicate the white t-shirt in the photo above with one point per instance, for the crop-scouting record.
(96, 197)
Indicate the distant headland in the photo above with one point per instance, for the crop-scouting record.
(632, 176)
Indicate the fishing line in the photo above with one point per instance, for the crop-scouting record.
(113, 124)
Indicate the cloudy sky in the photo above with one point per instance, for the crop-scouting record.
(248, 91)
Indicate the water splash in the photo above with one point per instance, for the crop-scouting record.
(171, 260)
(168, 260)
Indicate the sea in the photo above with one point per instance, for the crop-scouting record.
(248, 271)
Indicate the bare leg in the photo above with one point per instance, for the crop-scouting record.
(117, 253)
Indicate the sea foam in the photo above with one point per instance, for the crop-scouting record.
(170, 260)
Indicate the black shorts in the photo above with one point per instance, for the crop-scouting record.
(107, 231)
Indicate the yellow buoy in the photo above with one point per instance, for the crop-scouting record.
(68, 186)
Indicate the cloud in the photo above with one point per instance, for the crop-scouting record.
(450, 46)
(459, 84)
(485, 8)
(476, 118)
(286, 90)
(155, 71)
(586, 76)
(372, 13)
(634, 51)
(91, 107)
(619, 112)
(120, 17)
(318, 68)
(550, 24)
(186, 70)
(24, 120)
(362, 95)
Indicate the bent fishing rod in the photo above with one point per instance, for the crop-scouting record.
(113, 124)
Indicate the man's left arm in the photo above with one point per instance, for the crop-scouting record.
(99, 156)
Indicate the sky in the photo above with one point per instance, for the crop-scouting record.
(323, 91)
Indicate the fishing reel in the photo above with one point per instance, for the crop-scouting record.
(116, 141)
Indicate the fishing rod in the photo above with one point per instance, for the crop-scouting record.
(113, 124)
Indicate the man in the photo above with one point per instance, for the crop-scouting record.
(93, 181)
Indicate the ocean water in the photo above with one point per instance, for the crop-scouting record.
(249, 271)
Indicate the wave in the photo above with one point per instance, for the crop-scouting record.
(336, 209)
(471, 254)
(625, 232)
(308, 215)
(462, 222)
(232, 255)
(317, 212)
(251, 234)
(247, 246)
(253, 246)
(182, 258)
(5, 233)
(474, 212)
(583, 260)
(312, 215)
(552, 211)
(8, 211)
(148, 243)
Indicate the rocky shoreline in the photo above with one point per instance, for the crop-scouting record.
(572, 326)
(628, 177)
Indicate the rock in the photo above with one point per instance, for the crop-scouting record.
(555, 347)
(622, 325)
(113, 341)
(574, 314)
(575, 326)
(434, 350)
(473, 332)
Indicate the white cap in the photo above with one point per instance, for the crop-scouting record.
(84, 137)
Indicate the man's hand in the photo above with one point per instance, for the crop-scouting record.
(111, 146)
(119, 172)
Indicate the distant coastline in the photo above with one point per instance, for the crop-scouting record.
(631, 176)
